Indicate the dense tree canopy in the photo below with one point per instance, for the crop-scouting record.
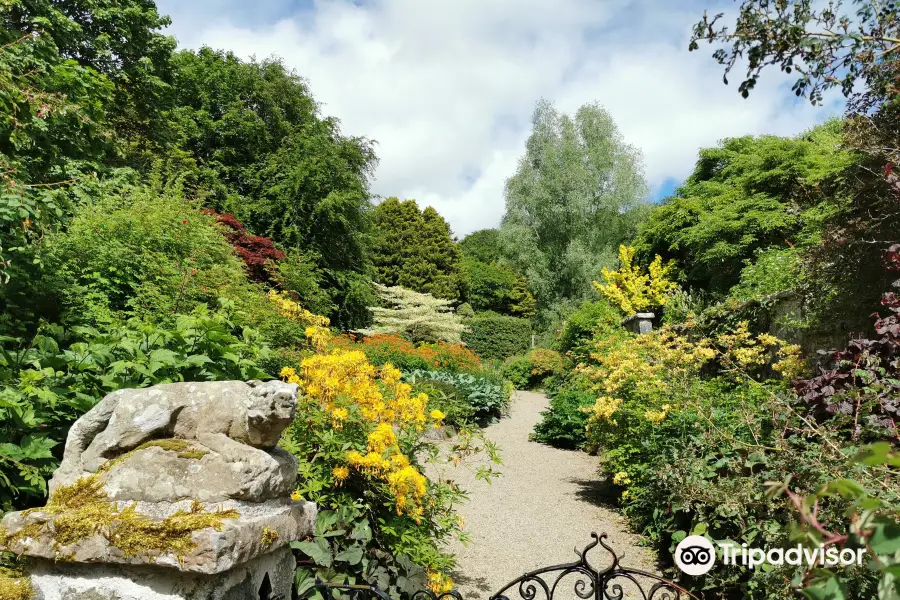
(482, 245)
(745, 195)
(414, 249)
(119, 39)
(496, 288)
(577, 194)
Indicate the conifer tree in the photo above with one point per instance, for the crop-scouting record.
(414, 249)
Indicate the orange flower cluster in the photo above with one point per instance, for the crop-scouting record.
(394, 349)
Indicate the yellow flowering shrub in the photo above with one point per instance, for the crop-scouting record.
(317, 331)
(633, 290)
(359, 437)
(669, 385)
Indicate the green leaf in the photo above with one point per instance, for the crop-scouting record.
(321, 556)
(885, 538)
(351, 555)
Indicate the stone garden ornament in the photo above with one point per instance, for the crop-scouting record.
(177, 491)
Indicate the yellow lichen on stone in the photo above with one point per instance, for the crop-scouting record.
(15, 585)
(81, 510)
(184, 448)
(269, 536)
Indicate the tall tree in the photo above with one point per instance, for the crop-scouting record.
(248, 137)
(854, 46)
(120, 39)
(746, 195)
(577, 194)
(483, 245)
(414, 249)
(493, 287)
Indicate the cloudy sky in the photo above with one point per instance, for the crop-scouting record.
(447, 87)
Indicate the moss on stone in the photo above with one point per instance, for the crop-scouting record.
(184, 448)
(15, 585)
(81, 510)
(269, 536)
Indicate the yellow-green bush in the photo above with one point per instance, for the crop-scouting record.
(690, 430)
(634, 291)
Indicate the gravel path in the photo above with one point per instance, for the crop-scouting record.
(546, 502)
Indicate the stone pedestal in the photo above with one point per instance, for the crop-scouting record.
(175, 492)
(639, 322)
(267, 577)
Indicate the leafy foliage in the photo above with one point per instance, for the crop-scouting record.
(563, 423)
(139, 250)
(826, 48)
(49, 381)
(594, 318)
(258, 253)
(634, 291)
(692, 430)
(576, 195)
(487, 396)
(419, 317)
(492, 287)
(860, 390)
(360, 446)
(531, 370)
(873, 525)
(497, 337)
(382, 349)
(413, 249)
(482, 245)
(748, 194)
(251, 142)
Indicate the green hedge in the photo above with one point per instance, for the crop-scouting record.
(494, 336)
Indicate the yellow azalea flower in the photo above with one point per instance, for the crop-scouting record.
(340, 473)
(382, 438)
(656, 416)
(621, 478)
(287, 372)
(296, 496)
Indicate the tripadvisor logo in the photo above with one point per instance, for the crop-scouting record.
(695, 555)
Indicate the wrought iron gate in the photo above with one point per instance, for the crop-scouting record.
(611, 582)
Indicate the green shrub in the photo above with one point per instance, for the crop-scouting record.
(153, 255)
(47, 382)
(447, 398)
(563, 423)
(517, 369)
(487, 396)
(692, 431)
(497, 337)
(148, 253)
(532, 370)
(465, 310)
(595, 318)
(770, 271)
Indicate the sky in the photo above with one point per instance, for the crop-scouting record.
(447, 88)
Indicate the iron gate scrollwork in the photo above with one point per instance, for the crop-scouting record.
(612, 582)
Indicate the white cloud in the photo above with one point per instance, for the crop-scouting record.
(447, 87)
